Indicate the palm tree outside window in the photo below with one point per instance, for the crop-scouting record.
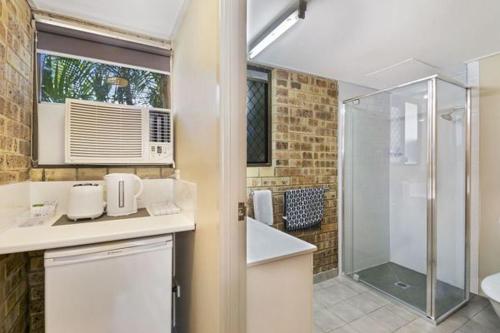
(63, 77)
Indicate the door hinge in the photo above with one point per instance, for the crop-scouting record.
(242, 211)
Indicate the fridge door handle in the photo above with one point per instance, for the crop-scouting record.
(79, 258)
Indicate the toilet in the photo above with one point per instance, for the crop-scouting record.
(491, 287)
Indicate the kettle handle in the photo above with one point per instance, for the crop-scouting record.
(141, 188)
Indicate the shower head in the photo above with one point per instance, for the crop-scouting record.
(449, 115)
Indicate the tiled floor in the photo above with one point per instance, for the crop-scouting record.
(345, 306)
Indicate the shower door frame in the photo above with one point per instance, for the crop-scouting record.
(431, 274)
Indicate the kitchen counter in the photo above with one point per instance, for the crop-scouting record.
(46, 236)
(18, 198)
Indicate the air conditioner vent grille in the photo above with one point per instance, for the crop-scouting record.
(104, 131)
(159, 127)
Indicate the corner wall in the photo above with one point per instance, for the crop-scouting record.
(196, 105)
(489, 166)
(16, 105)
(304, 154)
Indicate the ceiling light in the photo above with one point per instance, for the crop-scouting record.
(277, 30)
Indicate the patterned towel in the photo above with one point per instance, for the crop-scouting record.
(304, 208)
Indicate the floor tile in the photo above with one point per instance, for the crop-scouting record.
(419, 325)
(388, 318)
(327, 321)
(475, 305)
(334, 294)
(356, 286)
(345, 329)
(401, 311)
(451, 324)
(366, 302)
(346, 311)
(475, 327)
(342, 305)
(488, 318)
(317, 329)
(369, 325)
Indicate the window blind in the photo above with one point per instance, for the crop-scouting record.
(88, 45)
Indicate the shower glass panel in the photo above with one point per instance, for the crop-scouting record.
(404, 194)
(386, 174)
(450, 226)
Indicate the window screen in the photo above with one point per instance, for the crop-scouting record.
(258, 118)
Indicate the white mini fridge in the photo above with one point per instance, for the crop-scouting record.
(118, 287)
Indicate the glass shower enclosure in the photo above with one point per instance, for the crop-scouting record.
(405, 193)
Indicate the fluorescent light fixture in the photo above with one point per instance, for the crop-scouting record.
(274, 33)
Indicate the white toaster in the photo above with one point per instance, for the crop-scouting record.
(86, 201)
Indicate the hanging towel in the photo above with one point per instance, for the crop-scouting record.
(263, 206)
(304, 208)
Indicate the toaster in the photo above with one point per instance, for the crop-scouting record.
(86, 201)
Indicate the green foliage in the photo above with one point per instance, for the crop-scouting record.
(63, 78)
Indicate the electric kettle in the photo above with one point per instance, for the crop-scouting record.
(122, 191)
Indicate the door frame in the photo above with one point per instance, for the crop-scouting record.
(232, 157)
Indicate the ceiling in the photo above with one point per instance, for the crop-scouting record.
(380, 43)
(154, 18)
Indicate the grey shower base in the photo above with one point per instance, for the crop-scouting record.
(409, 286)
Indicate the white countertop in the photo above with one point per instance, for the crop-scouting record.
(266, 244)
(46, 236)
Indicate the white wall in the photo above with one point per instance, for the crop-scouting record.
(408, 196)
(489, 165)
(195, 101)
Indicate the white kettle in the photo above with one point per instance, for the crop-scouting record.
(122, 189)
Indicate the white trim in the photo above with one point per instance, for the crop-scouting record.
(72, 56)
(232, 74)
(475, 200)
(492, 54)
(340, 182)
(57, 20)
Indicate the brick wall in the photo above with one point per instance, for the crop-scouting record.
(16, 105)
(304, 143)
(16, 90)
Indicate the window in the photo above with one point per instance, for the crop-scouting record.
(64, 77)
(258, 117)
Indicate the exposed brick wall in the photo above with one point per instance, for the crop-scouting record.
(13, 293)
(16, 90)
(16, 105)
(36, 291)
(304, 143)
